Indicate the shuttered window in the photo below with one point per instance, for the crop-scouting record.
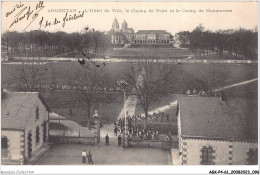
(207, 156)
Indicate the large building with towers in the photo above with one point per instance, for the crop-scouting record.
(125, 35)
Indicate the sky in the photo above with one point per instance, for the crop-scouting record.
(26, 16)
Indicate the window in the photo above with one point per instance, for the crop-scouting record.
(37, 135)
(37, 112)
(207, 155)
(4, 145)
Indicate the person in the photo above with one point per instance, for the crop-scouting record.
(107, 139)
(84, 155)
(119, 140)
(167, 117)
(115, 131)
(90, 158)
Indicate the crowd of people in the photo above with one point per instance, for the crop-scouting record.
(155, 117)
(195, 92)
(144, 134)
(64, 87)
(134, 132)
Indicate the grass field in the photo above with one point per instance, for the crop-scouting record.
(185, 76)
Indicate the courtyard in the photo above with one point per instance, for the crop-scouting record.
(70, 154)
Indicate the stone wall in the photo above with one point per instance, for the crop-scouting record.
(15, 143)
(80, 140)
(224, 152)
(32, 125)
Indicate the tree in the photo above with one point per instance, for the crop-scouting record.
(196, 39)
(86, 77)
(184, 37)
(54, 44)
(29, 76)
(85, 81)
(148, 81)
(213, 77)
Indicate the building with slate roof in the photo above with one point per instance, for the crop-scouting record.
(24, 125)
(212, 131)
(152, 37)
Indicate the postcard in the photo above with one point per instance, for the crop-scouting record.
(129, 83)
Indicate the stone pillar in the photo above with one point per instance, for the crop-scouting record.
(97, 127)
(126, 134)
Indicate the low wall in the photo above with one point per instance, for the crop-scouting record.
(80, 140)
(152, 144)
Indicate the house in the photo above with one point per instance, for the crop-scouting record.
(24, 125)
(216, 131)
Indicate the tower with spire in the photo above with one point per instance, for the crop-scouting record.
(115, 25)
(124, 25)
(121, 35)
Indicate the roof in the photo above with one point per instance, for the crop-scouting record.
(17, 108)
(130, 29)
(208, 117)
(152, 32)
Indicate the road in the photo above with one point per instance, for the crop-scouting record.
(135, 60)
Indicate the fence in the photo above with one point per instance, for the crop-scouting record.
(152, 144)
(162, 127)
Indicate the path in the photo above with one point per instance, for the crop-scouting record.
(236, 84)
(163, 108)
(130, 107)
(158, 60)
(131, 102)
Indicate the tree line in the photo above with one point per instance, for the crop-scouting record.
(38, 42)
(221, 44)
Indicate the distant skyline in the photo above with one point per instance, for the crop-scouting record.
(244, 14)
